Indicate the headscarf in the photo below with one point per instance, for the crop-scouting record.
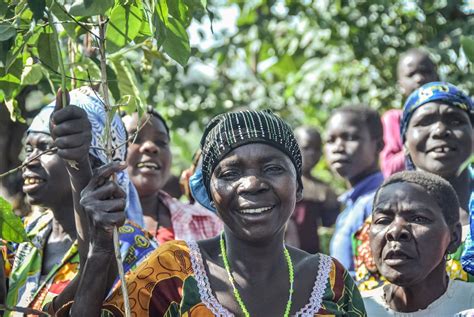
(88, 100)
(434, 91)
(230, 130)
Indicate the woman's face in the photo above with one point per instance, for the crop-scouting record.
(255, 190)
(149, 156)
(46, 181)
(409, 235)
(439, 138)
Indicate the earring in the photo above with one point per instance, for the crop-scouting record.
(212, 204)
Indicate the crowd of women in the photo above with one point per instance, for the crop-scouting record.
(248, 244)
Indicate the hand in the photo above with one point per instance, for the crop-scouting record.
(104, 203)
(71, 130)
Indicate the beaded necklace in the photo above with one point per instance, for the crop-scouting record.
(235, 290)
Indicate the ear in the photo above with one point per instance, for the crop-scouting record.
(299, 192)
(456, 236)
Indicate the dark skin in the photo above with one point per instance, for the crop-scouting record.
(414, 70)
(350, 149)
(149, 163)
(243, 183)
(439, 140)
(309, 141)
(409, 238)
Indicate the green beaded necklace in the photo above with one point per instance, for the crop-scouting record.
(236, 292)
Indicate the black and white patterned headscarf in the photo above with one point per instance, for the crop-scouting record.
(230, 130)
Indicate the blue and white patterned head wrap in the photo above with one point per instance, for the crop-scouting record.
(434, 91)
(88, 100)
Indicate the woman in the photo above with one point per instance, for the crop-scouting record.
(43, 266)
(252, 173)
(149, 163)
(415, 224)
(436, 130)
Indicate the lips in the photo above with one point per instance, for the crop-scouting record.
(396, 257)
(150, 165)
(32, 182)
(255, 211)
(442, 149)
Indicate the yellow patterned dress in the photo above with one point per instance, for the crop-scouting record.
(173, 282)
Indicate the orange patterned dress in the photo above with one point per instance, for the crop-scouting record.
(172, 282)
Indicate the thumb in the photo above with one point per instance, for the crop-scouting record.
(59, 99)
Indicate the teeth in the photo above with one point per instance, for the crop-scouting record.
(255, 210)
(147, 164)
(31, 181)
(443, 149)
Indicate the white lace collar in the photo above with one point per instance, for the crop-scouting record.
(217, 309)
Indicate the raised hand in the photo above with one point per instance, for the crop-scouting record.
(71, 130)
(104, 203)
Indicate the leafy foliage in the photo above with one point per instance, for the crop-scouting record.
(11, 228)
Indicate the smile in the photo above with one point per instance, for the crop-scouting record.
(32, 180)
(150, 165)
(255, 210)
(442, 149)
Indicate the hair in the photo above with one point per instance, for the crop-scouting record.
(437, 187)
(312, 131)
(414, 51)
(156, 114)
(367, 115)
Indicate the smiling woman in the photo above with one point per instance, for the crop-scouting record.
(252, 173)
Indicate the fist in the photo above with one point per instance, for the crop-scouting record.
(71, 130)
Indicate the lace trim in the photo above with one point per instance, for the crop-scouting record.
(202, 280)
(324, 268)
(208, 299)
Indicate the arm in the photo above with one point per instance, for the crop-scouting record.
(392, 158)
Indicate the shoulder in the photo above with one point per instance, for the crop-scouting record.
(374, 302)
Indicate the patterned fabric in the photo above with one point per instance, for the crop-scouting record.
(435, 91)
(233, 129)
(358, 202)
(467, 258)
(27, 288)
(88, 100)
(173, 282)
(190, 222)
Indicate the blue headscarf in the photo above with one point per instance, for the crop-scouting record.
(88, 100)
(434, 91)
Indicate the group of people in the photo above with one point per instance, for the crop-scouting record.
(248, 245)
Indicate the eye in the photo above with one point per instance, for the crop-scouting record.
(421, 219)
(161, 143)
(274, 169)
(229, 174)
(382, 220)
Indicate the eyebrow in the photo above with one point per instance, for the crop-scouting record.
(389, 210)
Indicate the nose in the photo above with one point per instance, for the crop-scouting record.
(419, 79)
(337, 145)
(252, 184)
(399, 230)
(33, 158)
(441, 130)
(149, 147)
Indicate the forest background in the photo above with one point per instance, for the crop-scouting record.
(298, 58)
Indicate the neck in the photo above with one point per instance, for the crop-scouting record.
(462, 185)
(358, 178)
(255, 261)
(420, 295)
(150, 205)
(63, 223)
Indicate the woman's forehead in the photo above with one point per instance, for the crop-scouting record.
(258, 152)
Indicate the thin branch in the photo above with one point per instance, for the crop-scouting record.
(76, 21)
(60, 58)
(52, 150)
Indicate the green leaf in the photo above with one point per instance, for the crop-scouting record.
(179, 10)
(87, 8)
(47, 51)
(162, 11)
(11, 227)
(176, 42)
(468, 47)
(130, 96)
(37, 7)
(6, 31)
(124, 24)
(59, 11)
(32, 73)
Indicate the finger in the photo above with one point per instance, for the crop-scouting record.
(108, 206)
(102, 174)
(73, 154)
(71, 127)
(105, 219)
(73, 141)
(108, 190)
(69, 113)
(59, 100)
